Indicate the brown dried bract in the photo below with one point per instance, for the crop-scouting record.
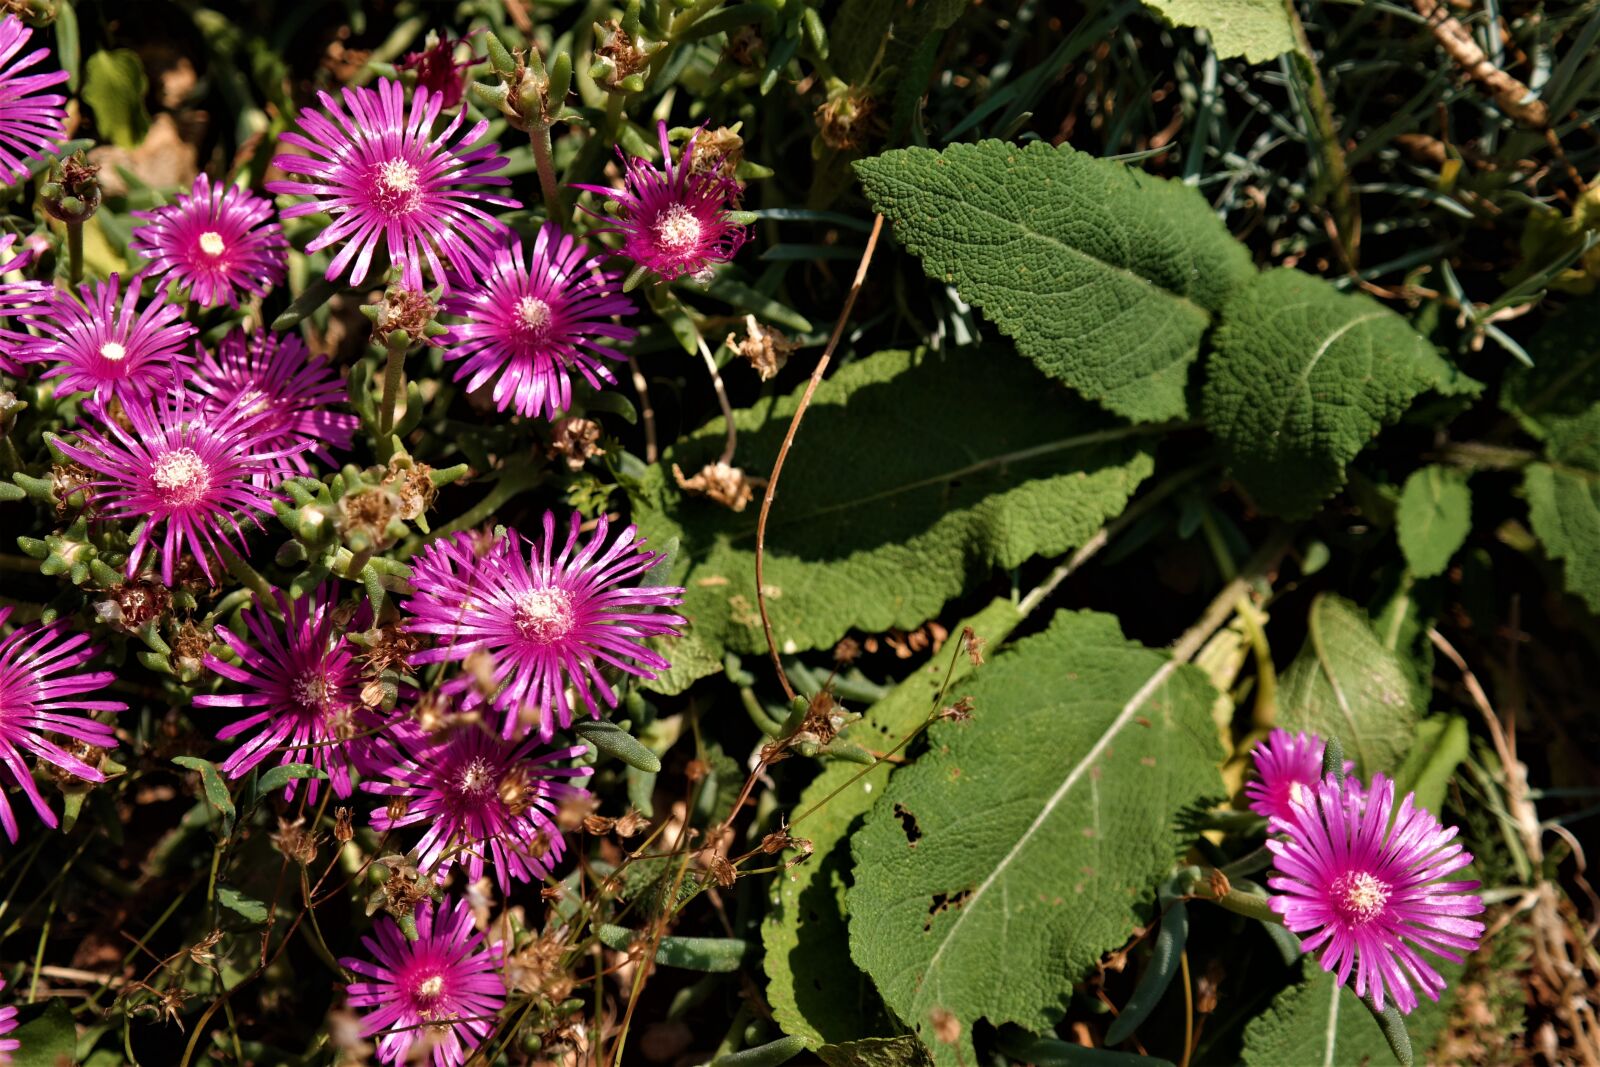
(412, 484)
(719, 482)
(960, 711)
(295, 841)
(973, 644)
(66, 479)
(716, 861)
(767, 349)
(343, 825)
(141, 601)
(718, 151)
(576, 441)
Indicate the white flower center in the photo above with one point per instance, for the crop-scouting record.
(181, 475)
(310, 692)
(476, 777)
(1359, 897)
(677, 229)
(397, 187)
(533, 315)
(113, 351)
(212, 244)
(542, 615)
(431, 987)
(1297, 792)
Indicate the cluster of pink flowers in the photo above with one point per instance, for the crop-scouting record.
(1359, 879)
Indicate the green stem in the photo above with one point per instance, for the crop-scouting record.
(249, 576)
(543, 157)
(1335, 182)
(1240, 903)
(510, 484)
(613, 115)
(75, 252)
(393, 376)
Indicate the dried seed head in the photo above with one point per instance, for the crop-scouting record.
(696, 769)
(406, 310)
(716, 861)
(725, 485)
(598, 824)
(65, 480)
(574, 811)
(576, 440)
(389, 648)
(367, 513)
(190, 646)
(767, 349)
(973, 644)
(847, 118)
(397, 808)
(960, 711)
(343, 830)
(718, 151)
(139, 602)
(296, 842)
(630, 824)
(201, 952)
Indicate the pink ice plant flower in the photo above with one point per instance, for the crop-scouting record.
(529, 324)
(102, 342)
(8, 1023)
(302, 685)
(18, 298)
(275, 376)
(673, 221)
(32, 123)
(383, 173)
(548, 622)
(482, 800)
(220, 242)
(445, 986)
(1288, 765)
(189, 477)
(1362, 882)
(41, 689)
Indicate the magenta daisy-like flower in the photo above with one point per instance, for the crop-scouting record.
(1366, 888)
(673, 221)
(8, 1023)
(40, 688)
(444, 986)
(438, 70)
(18, 298)
(382, 172)
(108, 348)
(529, 325)
(482, 799)
(301, 673)
(549, 622)
(219, 242)
(274, 376)
(32, 123)
(1289, 765)
(189, 477)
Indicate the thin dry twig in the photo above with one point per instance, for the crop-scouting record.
(1511, 95)
(788, 440)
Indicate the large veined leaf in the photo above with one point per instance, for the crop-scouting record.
(1317, 1021)
(1258, 30)
(1558, 401)
(1302, 379)
(1107, 277)
(1027, 841)
(856, 34)
(47, 1034)
(913, 476)
(1347, 684)
(1434, 518)
(816, 992)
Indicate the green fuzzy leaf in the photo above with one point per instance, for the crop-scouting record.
(216, 789)
(814, 988)
(1564, 509)
(895, 498)
(249, 907)
(1434, 518)
(48, 1038)
(1258, 30)
(857, 34)
(614, 741)
(1346, 684)
(1442, 743)
(1084, 750)
(280, 776)
(902, 1051)
(771, 1054)
(1105, 276)
(114, 86)
(1319, 1021)
(1302, 379)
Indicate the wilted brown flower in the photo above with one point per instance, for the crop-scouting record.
(973, 644)
(295, 841)
(718, 151)
(766, 348)
(576, 440)
(721, 483)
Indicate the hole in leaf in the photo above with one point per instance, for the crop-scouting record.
(942, 902)
(908, 823)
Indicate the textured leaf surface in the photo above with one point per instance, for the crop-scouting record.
(1027, 841)
(1106, 277)
(1345, 683)
(1302, 379)
(1434, 518)
(49, 1038)
(1317, 1021)
(816, 991)
(856, 34)
(902, 1051)
(912, 476)
(1258, 30)
(114, 86)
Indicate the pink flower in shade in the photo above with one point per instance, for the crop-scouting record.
(1367, 888)
(109, 348)
(383, 173)
(18, 298)
(444, 986)
(274, 375)
(38, 691)
(189, 477)
(301, 673)
(482, 799)
(1289, 765)
(219, 242)
(32, 124)
(548, 622)
(8, 1023)
(438, 70)
(674, 221)
(529, 324)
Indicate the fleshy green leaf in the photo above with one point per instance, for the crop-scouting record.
(913, 477)
(49, 1038)
(249, 907)
(1564, 508)
(280, 776)
(1107, 277)
(1319, 1021)
(857, 33)
(1031, 837)
(1346, 684)
(1258, 30)
(1442, 742)
(216, 789)
(114, 86)
(1302, 379)
(814, 988)
(1434, 518)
